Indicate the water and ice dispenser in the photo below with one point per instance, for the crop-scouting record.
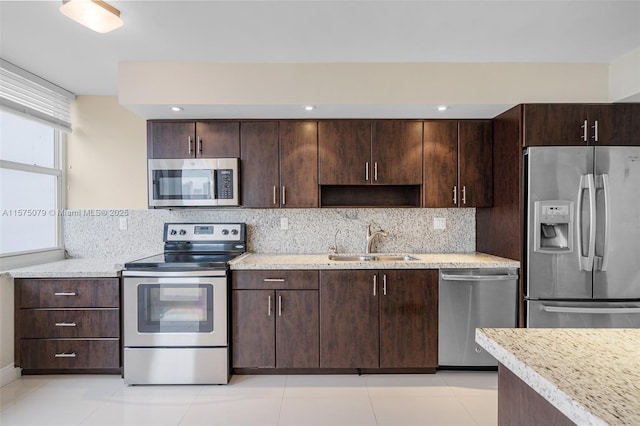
(554, 227)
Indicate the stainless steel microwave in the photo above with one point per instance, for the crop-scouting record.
(193, 182)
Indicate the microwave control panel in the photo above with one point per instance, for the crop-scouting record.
(224, 184)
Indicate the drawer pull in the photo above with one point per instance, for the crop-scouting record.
(273, 280)
(65, 293)
(65, 355)
(65, 324)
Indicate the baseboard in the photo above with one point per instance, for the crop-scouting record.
(8, 374)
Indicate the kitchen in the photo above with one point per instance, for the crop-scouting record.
(105, 131)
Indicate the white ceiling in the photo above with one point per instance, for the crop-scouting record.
(34, 35)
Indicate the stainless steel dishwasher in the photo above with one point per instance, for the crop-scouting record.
(470, 299)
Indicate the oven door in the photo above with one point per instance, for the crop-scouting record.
(175, 311)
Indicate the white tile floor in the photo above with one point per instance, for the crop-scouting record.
(445, 398)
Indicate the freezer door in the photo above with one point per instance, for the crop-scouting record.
(563, 174)
(617, 251)
(556, 314)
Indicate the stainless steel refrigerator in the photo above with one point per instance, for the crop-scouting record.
(583, 237)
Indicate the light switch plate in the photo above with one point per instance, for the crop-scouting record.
(439, 223)
(284, 223)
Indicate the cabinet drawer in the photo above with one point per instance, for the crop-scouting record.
(275, 280)
(68, 293)
(70, 354)
(64, 323)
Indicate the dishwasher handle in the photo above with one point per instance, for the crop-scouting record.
(451, 277)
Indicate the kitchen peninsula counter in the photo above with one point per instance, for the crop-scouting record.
(591, 376)
(69, 268)
(261, 261)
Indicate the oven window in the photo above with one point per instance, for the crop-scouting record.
(189, 184)
(175, 308)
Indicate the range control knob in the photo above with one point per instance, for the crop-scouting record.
(225, 232)
(234, 232)
(172, 232)
(183, 232)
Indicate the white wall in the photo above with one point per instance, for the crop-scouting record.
(624, 78)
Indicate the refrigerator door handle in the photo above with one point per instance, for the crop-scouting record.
(587, 182)
(604, 261)
(577, 310)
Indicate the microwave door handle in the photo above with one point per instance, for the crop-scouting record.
(214, 188)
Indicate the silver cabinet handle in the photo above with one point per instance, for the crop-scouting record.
(273, 280)
(384, 284)
(578, 310)
(65, 355)
(274, 195)
(65, 293)
(455, 195)
(65, 324)
(189, 145)
(279, 306)
(269, 307)
(584, 128)
(464, 194)
(366, 171)
(375, 171)
(375, 284)
(595, 131)
(284, 195)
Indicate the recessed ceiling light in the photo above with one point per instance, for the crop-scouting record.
(442, 107)
(309, 107)
(176, 108)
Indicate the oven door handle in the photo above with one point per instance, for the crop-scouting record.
(175, 274)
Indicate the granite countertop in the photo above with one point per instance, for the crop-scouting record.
(69, 268)
(260, 261)
(591, 375)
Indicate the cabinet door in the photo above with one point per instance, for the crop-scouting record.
(475, 162)
(349, 330)
(299, 164)
(440, 163)
(345, 152)
(409, 319)
(259, 169)
(397, 152)
(171, 139)
(253, 328)
(625, 125)
(297, 329)
(554, 124)
(218, 139)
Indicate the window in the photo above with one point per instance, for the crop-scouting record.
(31, 169)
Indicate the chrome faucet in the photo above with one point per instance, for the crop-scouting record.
(371, 236)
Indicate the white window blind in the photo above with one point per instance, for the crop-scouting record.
(27, 94)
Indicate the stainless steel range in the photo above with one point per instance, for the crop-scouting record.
(176, 306)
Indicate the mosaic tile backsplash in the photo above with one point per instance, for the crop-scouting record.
(88, 235)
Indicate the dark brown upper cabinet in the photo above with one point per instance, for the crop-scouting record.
(581, 124)
(458, 163)
(360, 152)
(192, 139)
(279, 164)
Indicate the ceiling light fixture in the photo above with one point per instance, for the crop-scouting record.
(442, 108)
(94, 14)
(309, 107)
(176, 108)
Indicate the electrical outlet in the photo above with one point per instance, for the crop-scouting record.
(284, 223)
(123, 224)
(439, 223)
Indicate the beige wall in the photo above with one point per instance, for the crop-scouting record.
(6, 322)
(105, 156)
(624, 77)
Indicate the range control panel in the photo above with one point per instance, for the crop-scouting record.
(203, 232)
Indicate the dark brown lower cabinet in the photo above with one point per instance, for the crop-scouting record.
(378, 319)
(275, 319)
(67, 324)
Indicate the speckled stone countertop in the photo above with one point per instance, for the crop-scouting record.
(591, 375)
(259, 261)
(69, 268)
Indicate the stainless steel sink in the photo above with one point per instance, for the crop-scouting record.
(371, 257)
